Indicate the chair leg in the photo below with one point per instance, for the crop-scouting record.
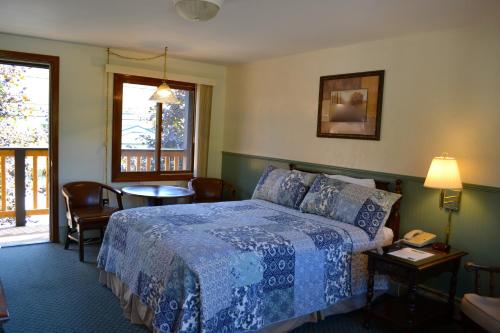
(81, 241)
(66, 243)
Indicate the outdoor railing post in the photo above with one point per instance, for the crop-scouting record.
(20, 179)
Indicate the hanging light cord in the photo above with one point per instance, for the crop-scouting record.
(165, 65)
(135, 58)
(164, 55)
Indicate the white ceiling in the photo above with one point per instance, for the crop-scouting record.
(244, 30)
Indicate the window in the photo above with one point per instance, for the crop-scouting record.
(151, 141)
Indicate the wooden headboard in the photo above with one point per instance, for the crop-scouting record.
(394, 219)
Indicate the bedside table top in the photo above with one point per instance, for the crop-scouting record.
(437, 258)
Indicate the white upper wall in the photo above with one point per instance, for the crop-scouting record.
(82, 104)
(243, 30)
(440, 95)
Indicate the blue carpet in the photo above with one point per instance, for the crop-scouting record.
(49, 290)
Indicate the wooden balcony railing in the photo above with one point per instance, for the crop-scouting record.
(17, 159)
(144, 160)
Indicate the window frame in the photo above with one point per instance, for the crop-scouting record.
(119, 176)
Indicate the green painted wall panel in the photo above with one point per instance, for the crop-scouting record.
(475, 228)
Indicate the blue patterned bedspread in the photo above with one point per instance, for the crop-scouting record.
(230, 267)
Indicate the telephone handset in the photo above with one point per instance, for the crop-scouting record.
(418, 238)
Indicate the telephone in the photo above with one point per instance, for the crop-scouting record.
(418, 238)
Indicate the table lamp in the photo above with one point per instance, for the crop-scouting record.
(443, 174)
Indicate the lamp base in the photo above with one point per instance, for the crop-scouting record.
(442, 247)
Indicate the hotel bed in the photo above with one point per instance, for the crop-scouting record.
(240, 266)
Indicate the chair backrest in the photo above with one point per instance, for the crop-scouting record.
(84, 194)
(490, 270)
(207, 189)
(211, 189)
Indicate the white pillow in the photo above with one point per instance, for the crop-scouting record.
(358, 181)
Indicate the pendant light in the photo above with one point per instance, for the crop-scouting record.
(163, 93)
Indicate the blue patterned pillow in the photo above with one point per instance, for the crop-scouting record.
(365, 207)
(284, 187)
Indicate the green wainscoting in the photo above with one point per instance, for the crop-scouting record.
(475, 228)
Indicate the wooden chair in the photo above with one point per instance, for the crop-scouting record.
(210, 189)
(482, 313)
(86, 210)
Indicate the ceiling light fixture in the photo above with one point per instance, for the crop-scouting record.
(198, 10)
(163, 93)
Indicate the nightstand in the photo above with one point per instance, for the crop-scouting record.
(412, 311)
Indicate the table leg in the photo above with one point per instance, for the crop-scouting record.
(412, 298)
(369, 292)
(453, 288)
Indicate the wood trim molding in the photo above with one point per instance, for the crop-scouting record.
(53, 63)
(347, 171)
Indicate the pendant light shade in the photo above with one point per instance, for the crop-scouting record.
(163, 93)
(197, 10)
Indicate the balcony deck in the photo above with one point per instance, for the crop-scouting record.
(36, 230)
(26, 189)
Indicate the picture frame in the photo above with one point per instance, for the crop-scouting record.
(350, 105)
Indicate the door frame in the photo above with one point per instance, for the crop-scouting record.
(53, 63)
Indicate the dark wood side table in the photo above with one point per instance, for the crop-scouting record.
(412, 311)
(4, 312)
(156, 193)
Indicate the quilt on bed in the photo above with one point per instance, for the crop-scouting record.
(230, 267)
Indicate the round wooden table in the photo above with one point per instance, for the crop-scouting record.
(156, 193)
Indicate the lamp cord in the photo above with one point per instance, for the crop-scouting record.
(448, 228)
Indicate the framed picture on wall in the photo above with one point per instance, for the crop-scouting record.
(350, 105)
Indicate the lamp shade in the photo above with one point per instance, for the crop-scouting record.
(443, 174)
(164, 94)
(197, 10)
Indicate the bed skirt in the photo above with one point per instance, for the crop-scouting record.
(133, 308)
(140, 314)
